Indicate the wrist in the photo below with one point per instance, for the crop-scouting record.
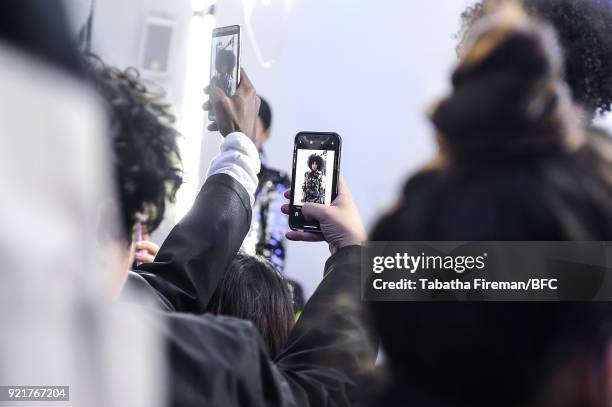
(249, 134)
(359, 238)
(346, 255)
(347, 243)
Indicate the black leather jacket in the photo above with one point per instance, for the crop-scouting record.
(221, 361)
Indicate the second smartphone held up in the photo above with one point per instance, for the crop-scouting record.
(316, 164)
(225, 61)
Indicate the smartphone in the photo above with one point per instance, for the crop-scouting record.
(316, 169)
(225, 61)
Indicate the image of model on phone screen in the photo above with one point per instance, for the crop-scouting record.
(225, 60)
(314, 176)
(316, 161)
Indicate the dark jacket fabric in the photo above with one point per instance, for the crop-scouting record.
(192, 259)
(221, 361)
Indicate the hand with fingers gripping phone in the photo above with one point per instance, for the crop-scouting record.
(237, 113)
(341, 223)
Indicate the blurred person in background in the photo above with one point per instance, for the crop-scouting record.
(584, 29)
(58, 324)
(516, 165)
(147, 164)
(56, 47)
(266, 236)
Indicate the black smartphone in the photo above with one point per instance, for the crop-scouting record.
(316, 169)
(225, 61)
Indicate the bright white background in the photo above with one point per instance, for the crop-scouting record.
(367, 69)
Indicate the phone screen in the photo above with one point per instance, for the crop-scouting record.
(316, 162)
(225, 60)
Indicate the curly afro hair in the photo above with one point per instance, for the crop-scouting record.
(225, 62)
(315, 158)
(147, 163)
(584, 28)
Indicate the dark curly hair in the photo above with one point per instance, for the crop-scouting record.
(315, 158)
(584, 29)
(147, 162)
(265, 113)
(40, 28)
(225, 58)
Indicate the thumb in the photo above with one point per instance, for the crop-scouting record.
(342, 187)
(314, 211)
(245, 82)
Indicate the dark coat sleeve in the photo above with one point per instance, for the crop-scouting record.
(332, 348)
(219, 361)
(191, 261)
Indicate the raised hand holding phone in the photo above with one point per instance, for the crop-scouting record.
(316, 168)
(340, 223)
(238, 113)
(225, 67)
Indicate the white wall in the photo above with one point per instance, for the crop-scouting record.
(367, 69)
(117, 32)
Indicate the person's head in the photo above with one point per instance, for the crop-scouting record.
(584, 28)
(515, 163)
(225, 62)
(40, 28)
(315, 162)
(147, 164)
(252, 289)
(514, 167)
(263, 128)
